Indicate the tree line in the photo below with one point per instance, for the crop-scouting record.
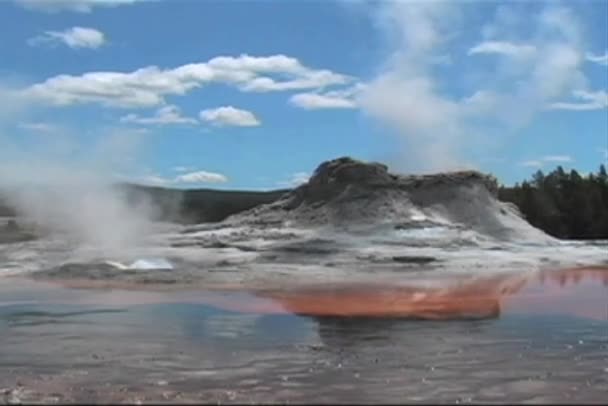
(563, 204)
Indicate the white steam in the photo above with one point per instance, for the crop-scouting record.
(75, 199)
(511, 69)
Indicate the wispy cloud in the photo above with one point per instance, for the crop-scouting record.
(310, 80)
(195, 177)
(599, 59)
(504, 48)
(181, 169)
(585, 101)
(295, 179)
(75, 38)
(201, 177)
(78, 6)
(557, 158)
(148, 87)
(155, 180)
(38, 127)
(335, 99)
(229, 116)
(532, 164)
(539, 163)
(316, 101)
(166, 115)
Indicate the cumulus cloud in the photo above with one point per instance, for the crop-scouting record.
(148, 86)
(315, 101)
(296, 179)
(229, 116)
(75, 38)
(79, 6)
(335, 99)
(194, 177)
(503, 47)
(311, 80)
(585, 101)
(599, 59)
(201, 177)
(532, 69)
(165, 115)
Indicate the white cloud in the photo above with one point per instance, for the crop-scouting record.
(315, 101)
(229, 116)
(37, 127)
(181, 168)
(504, 48)
(599, 59)
(201, 177)
(273, 64)
(155, 180)
(164, 116)
(587, 101)
(557, 158)
(335, 99)
(538, 163)
(147, 87)
(295, 180)
(185, 178)
(79, 6)
(532, 164)
(75, 37)
(308, 80)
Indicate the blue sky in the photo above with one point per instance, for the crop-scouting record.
(255, 94)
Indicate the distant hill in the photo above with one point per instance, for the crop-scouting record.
(185, 206)
(192, 206)
(5, 209)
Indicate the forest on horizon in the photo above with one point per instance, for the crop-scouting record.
(564, 204)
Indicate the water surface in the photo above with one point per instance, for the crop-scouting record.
(537, 337)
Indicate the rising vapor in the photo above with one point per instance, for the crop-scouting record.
(76, 199)
(413, 90)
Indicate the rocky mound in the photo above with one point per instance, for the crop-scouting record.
(346, 192)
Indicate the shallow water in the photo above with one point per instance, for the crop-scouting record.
(539, 337)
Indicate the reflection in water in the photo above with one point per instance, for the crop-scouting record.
(579, 292)
(455, 298)
(405, 338)
(565, 277)
(474, 298)
(207, 347)
(340, 332)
